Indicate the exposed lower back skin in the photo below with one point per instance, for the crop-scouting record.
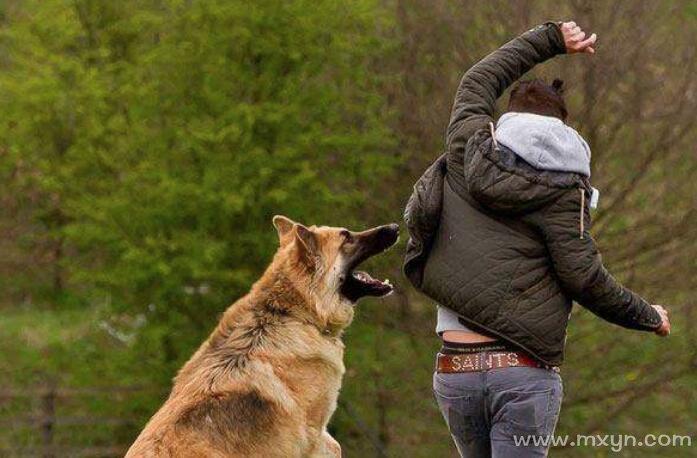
(466, 337)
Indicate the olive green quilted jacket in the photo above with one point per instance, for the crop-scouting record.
(513, 247)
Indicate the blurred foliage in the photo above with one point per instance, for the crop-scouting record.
(145, 146)
(160, 139)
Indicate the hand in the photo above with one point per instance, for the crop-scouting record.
(664, 329)
(575, 39)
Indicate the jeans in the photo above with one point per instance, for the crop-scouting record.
(487, 411)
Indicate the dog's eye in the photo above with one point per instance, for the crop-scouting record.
(347, 236)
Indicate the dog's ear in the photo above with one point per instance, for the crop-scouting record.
(307, 239)
(283, 225)
(308, 245)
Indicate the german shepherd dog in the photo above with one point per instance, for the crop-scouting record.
(266, 382)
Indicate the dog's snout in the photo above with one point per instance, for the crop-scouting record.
(376, 240)
(394, 227)
(388, 228)
(389, 233)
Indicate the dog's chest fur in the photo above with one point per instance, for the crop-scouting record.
(269, 369)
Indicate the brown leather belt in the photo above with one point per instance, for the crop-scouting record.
(483, 361)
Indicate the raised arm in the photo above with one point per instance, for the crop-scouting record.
(484, 83)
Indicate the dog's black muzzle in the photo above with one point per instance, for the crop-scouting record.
(373, 241)
(363, 245)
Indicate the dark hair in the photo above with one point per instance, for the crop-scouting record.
(536, 96)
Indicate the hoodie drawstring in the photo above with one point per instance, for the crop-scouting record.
(583, 205)
(493, 135)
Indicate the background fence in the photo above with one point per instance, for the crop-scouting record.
(39, 428)
(36, 421)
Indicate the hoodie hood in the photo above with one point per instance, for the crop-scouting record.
(500, 179)
(544, 142)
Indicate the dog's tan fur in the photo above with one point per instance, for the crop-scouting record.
(266, 381)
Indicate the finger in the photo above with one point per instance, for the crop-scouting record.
(576, 30)
(578, 37)
(589, 50)
(588, 42)
(568, 26)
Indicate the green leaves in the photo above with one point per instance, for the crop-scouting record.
(162, 137)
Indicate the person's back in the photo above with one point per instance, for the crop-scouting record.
(500, 219)
(512, 251)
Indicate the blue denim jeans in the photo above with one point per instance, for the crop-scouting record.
(487, 411)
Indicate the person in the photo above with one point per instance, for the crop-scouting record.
(511, 250)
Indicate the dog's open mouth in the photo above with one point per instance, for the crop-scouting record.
(358, 284)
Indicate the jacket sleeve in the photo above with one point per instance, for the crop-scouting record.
(484, 83)
(580, 269)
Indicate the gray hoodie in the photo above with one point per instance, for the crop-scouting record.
(544, 142)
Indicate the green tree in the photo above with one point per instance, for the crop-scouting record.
(161, 137)
(61, 118)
